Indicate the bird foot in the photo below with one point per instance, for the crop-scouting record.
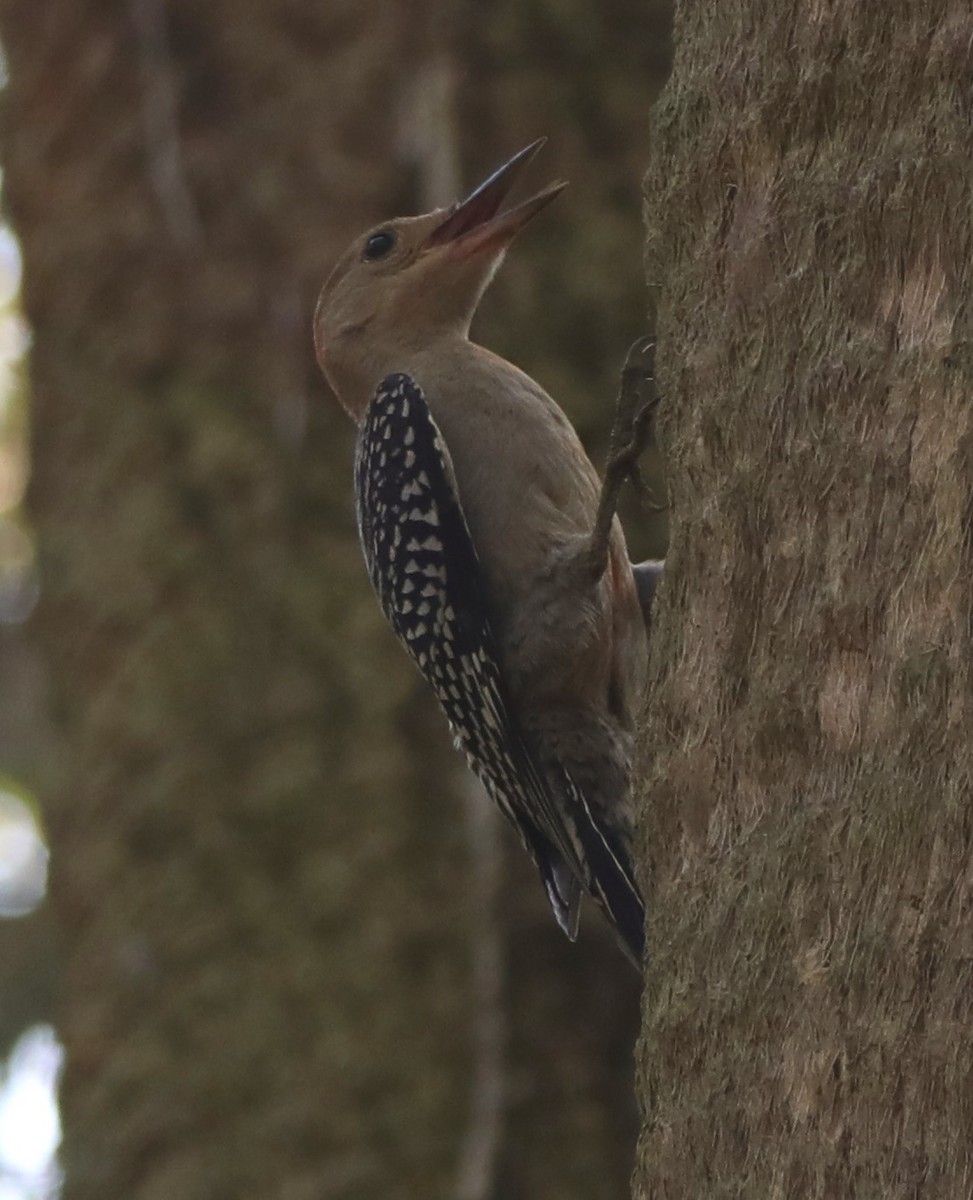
(637, 400)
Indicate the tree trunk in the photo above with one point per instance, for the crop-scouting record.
(260, 861)
(808, 754)
(262, 996)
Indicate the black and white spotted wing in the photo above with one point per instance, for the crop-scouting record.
(424, 568)
(425, 571)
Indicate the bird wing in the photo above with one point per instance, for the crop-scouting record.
(424, 568)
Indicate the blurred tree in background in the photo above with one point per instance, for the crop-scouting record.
(289, 967)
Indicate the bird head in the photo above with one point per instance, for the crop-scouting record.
(413, 279)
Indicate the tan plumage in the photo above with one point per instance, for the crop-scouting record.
(567, 622)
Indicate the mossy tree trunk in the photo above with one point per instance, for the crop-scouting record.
(260, 862)
(262, 996)
(808, 751)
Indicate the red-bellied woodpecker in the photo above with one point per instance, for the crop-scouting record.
(494, 551)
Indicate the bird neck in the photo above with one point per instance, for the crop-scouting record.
(364, 362)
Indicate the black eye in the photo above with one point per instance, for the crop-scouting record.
(379, 244)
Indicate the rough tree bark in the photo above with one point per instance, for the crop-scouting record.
(809, 765)
(260, 864)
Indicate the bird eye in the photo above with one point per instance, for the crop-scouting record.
(379, 244)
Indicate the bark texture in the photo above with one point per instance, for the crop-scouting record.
(809, 765)
(260, 864)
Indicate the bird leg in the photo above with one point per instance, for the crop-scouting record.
(631, 432)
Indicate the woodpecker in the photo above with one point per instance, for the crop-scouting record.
(493, 549)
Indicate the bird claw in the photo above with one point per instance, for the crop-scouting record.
(641, 356)
(638, 398)
(631, 433)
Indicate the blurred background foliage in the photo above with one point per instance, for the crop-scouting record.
(274, 974)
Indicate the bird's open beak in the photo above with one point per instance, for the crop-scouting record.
(474, 224)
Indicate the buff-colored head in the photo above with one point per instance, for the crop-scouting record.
(414, 279)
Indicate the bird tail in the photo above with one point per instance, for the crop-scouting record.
(563, 892)
(605, 870)
(613, 888)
